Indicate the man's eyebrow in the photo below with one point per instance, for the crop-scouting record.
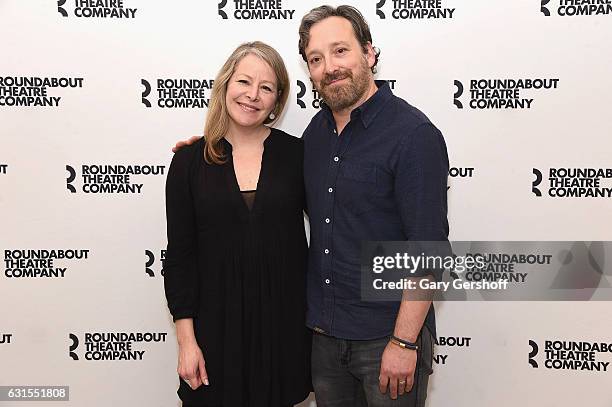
(333, 44)
(312, 51)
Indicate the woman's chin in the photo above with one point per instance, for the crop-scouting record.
(247, 123)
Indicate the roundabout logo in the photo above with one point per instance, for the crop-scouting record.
(571, 355)
(460, 172)
(449, 341)
(500, 93)
(112, 346)
(572, 8)
(415, 9)
(111, 178)
(150, 262)
(28, 263)
(178, 93)
(33, 91)
(573, 182)
(255, 10)
(97, 9)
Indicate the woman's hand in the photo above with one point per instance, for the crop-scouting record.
(191, 365)
(191, 360)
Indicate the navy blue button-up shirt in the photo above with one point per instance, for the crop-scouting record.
(383, 178)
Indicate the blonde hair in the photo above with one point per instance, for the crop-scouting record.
(217, 120)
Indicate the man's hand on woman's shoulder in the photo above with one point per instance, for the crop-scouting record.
(183, 143)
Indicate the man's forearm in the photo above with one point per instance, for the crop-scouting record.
(412, 313)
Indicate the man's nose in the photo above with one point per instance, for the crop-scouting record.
(330, 65)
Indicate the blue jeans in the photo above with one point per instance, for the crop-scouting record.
(345, 372)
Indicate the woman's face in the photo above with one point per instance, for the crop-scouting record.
(252, 92)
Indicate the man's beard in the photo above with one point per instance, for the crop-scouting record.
(342, 96)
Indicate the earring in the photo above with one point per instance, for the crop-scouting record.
(272, 116)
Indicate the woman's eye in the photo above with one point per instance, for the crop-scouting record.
(244, 81)
(267, 88)
(341, 50)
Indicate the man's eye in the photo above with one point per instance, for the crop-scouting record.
(315, 60)
(341, 50)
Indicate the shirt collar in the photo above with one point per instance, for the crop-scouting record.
(369, 109)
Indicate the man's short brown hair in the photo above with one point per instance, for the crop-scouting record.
(354, 16)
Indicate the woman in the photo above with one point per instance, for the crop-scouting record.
(235, 265)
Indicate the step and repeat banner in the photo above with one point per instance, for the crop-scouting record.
(94, 93)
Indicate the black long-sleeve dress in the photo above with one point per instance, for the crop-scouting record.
(240, 274)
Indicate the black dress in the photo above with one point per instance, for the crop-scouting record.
(240, 274)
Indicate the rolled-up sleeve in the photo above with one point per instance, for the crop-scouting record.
(180, 265)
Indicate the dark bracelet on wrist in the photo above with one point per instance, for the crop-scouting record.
(402, 343)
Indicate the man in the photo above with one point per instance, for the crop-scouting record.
(375, 168)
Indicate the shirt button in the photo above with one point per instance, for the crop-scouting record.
(336, 159)
(326, 251)
(327, 281)
(330, 190)
(327, 220)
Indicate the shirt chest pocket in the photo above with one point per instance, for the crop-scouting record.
(356, 187)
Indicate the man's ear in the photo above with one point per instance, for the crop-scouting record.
(369, 54)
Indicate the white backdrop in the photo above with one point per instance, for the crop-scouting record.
(117, 287)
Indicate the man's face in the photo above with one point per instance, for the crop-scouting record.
(339, 68)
